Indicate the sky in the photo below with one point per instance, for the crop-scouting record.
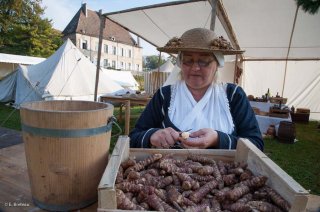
(62, 11)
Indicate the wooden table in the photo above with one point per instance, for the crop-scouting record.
(127, 101)
(265, 121)
(15, 187)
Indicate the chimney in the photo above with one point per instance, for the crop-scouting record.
(138, 41)
(84, 9)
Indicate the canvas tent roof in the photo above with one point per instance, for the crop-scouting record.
(67, 74)
(19, 59)
(277, 36)
(262, 28)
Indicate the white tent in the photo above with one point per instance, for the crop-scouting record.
(123, 78)
(67, 74)
(281, 41)
(166, 67)
(10, 62)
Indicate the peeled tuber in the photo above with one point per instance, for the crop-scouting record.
(185, 135)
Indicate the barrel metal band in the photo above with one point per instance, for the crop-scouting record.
(66, 133)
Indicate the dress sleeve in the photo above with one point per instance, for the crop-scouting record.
(149, 122)
(246, 125)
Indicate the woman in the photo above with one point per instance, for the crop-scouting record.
(215, 114)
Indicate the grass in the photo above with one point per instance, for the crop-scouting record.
(300, 160)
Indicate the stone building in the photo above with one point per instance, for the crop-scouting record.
(119, 49)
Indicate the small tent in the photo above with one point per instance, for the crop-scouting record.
(123, 78)
(155, 78)
(10, 62)
(67, 74)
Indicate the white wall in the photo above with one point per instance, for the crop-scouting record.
(226, 74)
(302, 83)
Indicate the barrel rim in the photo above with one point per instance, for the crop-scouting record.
(24, 106)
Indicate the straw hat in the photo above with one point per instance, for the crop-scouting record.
(199, 40)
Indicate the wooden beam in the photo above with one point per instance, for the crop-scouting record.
(102, 25)
(213, 14)
(235, 70)
(224, 19)
(282, 59)
(225, 22)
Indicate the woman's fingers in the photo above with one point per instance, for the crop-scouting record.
(164, 138)
(201, 139)
(192, 142)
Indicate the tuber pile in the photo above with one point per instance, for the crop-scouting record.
(197, 183)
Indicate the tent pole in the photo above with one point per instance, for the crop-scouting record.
(285, 69)
(235, 70)
(213, 14)
(225, 22)
(102, 25)
(158, 74)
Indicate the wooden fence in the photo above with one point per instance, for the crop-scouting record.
(153, 80)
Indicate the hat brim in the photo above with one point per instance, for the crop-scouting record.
(176, 50)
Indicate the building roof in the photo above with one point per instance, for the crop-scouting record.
(19, 59)
(90, 25)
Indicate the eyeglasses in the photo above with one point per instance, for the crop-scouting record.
(201, 63)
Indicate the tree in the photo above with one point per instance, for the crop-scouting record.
(173, 59)
(24, 32)
(311, 6)
(151, 62)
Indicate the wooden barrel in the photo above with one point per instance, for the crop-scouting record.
(67, 145)
(271, 130)
(286, 132)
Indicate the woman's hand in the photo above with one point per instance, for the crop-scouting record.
(164, 138)
(201, 139)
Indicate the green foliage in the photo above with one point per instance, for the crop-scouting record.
(9, 117)
(172, 59)
(310, 6)
(140, 80)
(24, 32)
(152, 62)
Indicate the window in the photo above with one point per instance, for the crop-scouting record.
(96, 47)
(105, 63)
(113, 64)
(137, 65)
(105, 48)
(129, 66)
(84, 44)
(122, 52)
(121, 65)
(129, 53)
(114, 50)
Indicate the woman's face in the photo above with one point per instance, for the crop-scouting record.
(198, 69)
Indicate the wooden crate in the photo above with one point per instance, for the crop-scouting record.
(300, 117)
(277, 100)
(303, 110)
(257, 161)
(280, 113)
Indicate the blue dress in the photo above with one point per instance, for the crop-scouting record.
(155, 117)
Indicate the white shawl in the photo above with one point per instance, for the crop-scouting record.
(212, 111)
